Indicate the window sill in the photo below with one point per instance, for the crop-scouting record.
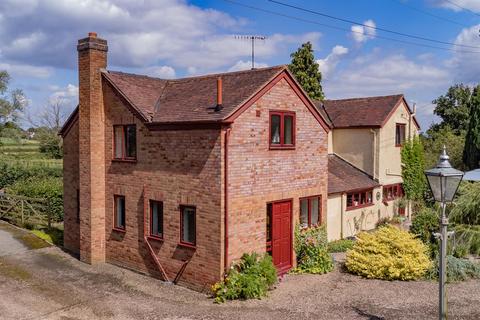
(360, 206)
(155, 238)
(281, 147)
(187, 245)
(125, 160)
(119, 230)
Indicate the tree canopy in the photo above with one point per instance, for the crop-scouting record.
(434, 141)
(306, 71)
(471, 152)
(453, 108)
(11, 103)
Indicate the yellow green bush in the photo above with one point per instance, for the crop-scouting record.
(389, 254)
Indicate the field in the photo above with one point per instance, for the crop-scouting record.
(25, 153)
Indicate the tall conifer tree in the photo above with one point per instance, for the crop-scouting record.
(471, 152)
(306, 70)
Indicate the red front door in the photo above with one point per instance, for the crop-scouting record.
(282, 235)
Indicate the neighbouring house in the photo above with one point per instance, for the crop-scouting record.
(178, 178)
(364, 163)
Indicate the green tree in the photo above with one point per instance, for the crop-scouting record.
(10, 107)
(413, 166)
(471, 151)
(453, 108)
(306, 70)
(433, 143)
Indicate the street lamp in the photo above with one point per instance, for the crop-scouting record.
(444, 181)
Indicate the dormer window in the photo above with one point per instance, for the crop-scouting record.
(125, 142)
(400, 134)
(282, 130)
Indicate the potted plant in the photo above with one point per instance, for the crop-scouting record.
(401, 205)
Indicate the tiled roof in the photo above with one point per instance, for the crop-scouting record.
(360, 112)
(344, 177)
(190, 99)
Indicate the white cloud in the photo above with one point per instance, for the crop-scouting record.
(246, 65)
(68, 95)
(170, 33)
(473, 5)
(328, 65)
(376, 75)
(18, 70)
(363, 33)
(464, 64)
(164, 72)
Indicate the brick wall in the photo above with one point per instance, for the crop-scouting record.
(71, 185)
(258, 175)
(178, 167)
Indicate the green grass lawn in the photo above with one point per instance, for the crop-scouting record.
(25, 153)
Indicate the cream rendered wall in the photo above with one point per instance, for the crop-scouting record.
(390, 168)
(330, 142)
(355, 146)
(356, 220)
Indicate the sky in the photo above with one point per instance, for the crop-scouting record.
(177, 38)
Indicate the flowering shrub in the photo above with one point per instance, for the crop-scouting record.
(311, 250)
(250, 278)
(390, 254)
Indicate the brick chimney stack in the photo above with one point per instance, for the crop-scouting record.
(92, 57)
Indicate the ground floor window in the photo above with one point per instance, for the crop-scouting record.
(119, 212)
(310, 211)
(359, 199)
(187, 225)
(156, 219)
(269, 228)
(392, 192)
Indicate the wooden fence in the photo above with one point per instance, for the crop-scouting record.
(24, 210)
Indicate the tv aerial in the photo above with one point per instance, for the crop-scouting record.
(252, 38)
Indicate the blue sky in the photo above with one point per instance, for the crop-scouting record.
(173, 38)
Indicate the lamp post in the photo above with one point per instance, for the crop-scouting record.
(443, 181)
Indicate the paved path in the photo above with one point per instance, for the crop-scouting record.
(9, 244)
(50, 284)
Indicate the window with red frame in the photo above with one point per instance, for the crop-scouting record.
(282, 129)
(399, 134)
(119, 212)
(359, 199)
(125, 142)
(187, 225)
(310, 211)
(392, 192)
(156, 219)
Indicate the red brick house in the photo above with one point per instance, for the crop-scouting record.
(178, 178)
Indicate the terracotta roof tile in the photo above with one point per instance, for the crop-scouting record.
(190, 99)
(360, 112)
(344, 177)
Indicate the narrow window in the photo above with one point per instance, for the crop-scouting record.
(119, 212)
(399, 134)
(282, 130)
(359, 199)
(310, 214)
(156, 219)
(269, 228)
(78, 205)
(187, 220)
(125, 142)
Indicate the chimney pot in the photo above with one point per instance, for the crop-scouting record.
(219, 105)
(92, 34)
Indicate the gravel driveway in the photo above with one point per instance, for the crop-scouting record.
(48, 283)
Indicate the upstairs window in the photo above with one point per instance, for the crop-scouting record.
(119, 213)
(282, 130)
(187, 225)
(125, 142)
(156, 219)
(310, 211)
(399, 134)
(359, 199)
